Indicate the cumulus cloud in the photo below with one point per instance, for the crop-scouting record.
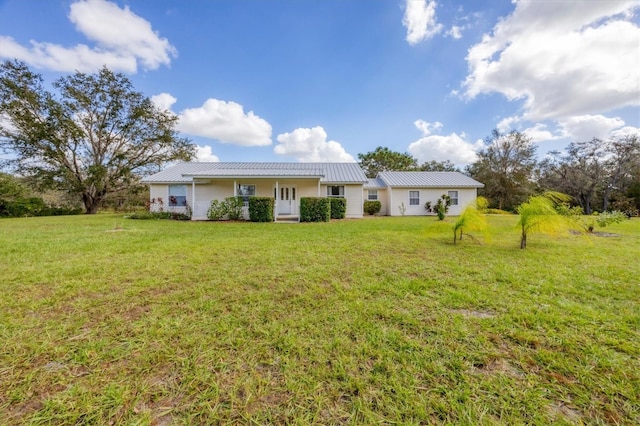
(226, 122)
(311, 145)
(452, 147)
(123, 41)
(455, 32)
(205, 154)
(586, 127)
(164, 101)
(560, 58)
(420, 20)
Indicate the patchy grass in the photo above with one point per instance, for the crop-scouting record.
(373, 321)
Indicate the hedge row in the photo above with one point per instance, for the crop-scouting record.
(34, 206)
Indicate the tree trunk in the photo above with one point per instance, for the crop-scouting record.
(523, 241)
(91, 204)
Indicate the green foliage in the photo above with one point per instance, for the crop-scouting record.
(338, 208)
(261, 209)
(315, 209)
(217, 210)
(33, 206)
(94, 136)
(147, 215)
(383, 159)
(442, 206)
(372, 207)
(438, 166)
(505, 165)
(470, 220)
(482, 204)
(234, 206)
(402, 208)
(540, 214)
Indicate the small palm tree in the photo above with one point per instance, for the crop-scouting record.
(539, 214)
(471, 219)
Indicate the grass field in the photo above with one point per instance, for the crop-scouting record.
(105, 320)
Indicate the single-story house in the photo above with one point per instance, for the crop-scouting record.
(408, 192)
(197, 184)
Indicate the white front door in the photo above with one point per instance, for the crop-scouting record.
(286, 199)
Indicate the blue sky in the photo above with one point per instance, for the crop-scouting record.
(324, 80)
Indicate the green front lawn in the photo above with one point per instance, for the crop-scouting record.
(375, 321)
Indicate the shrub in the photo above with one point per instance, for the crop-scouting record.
(442, 206)
(315, 209)
(217, 210)
(372, 207)
(261, 209)
(338, 208)
(234, 207)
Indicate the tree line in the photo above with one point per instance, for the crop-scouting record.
(598, 175)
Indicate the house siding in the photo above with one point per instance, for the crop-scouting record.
(397, 196)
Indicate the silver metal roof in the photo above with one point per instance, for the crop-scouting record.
(375, 183)
(429, 180)
(328, 172)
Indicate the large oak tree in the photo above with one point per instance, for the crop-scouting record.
(93, 136)
(505, 165)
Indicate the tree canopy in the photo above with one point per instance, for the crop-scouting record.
(95, 135)
(383, 159)
(505, 165)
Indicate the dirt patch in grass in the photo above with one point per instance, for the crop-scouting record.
(472, 313)
(498, 366)
(564, 411)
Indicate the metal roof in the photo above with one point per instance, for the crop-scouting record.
(429, 180)
(375, 183)
(327, 172)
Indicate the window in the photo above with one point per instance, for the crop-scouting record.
(246, 191)
(414, 198)
(454, 197)
(177, 195)
(373, 194)
(335, 191)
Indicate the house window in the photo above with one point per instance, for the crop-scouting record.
(454, 197)
(246, 191)
(414, 198)
(177, 195)
(335, 191)
(373, 195)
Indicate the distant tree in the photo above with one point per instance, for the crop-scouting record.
(383, 159)
(12, 188)
(438, 166)
(578, 172)
(622, 167)
(94, 137)
(505, 165)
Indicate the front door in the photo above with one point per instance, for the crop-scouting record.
(286, 199)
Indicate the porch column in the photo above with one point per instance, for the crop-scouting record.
(275, 206)
(235, 188)
(193, 198)
(319, 188)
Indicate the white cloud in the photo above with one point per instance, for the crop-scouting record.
(164, 101)
(586, 127)
(452, 147)
(455, 32)
(561, 58)
(539, 133)
(420, 20)
(226, 122)
(311, 145)
(204, 154)
(123, 40)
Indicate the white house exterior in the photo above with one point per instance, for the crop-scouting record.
(198, 184)
(408, 192)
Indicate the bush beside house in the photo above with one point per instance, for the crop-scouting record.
(261, 209)
(315, 209)
(338, 208)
